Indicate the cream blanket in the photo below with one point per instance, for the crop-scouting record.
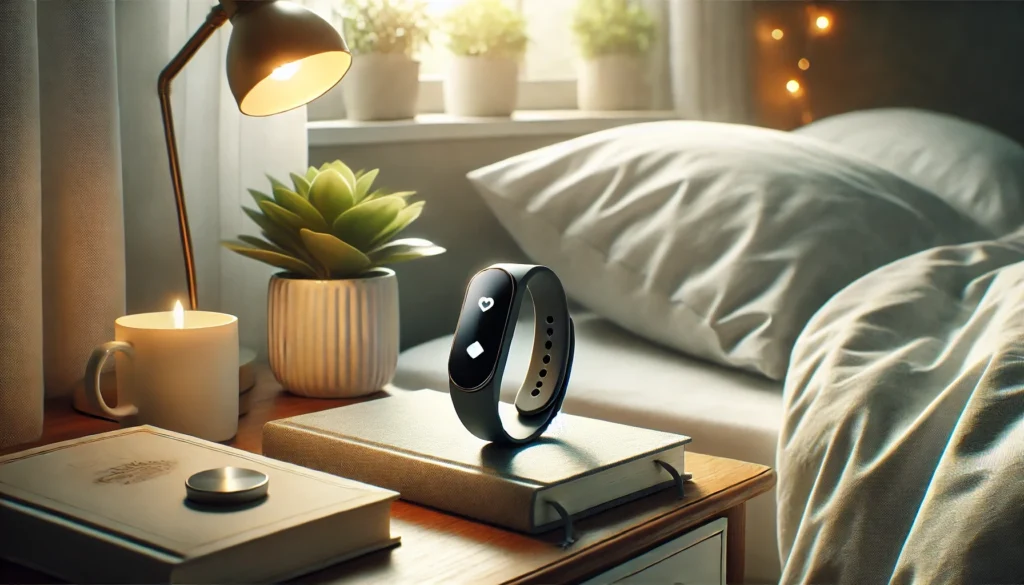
(901, 458)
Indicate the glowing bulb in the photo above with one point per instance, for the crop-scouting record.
(286, 71)
(822, 22)
(777, 34)
(179, 315)
(803, 64)
(792, 86)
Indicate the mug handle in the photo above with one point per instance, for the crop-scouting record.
(92, 379)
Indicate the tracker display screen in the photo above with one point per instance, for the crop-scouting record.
(481, 328)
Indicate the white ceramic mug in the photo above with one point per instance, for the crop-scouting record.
(177, 374)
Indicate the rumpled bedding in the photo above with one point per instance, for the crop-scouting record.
(901, 457)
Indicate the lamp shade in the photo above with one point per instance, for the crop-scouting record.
(282, 56)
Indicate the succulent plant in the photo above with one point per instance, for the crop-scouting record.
(608, 27)
(329, 225)
(485, 28)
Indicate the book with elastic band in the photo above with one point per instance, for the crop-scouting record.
(413, 442)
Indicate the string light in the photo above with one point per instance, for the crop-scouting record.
(792, 86)
(822, 22)
(777, 34)
(803, 64)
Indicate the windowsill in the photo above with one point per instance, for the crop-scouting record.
(429, 127)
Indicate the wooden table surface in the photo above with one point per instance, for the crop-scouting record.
(440, 547)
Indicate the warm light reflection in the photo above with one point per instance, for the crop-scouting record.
(777, 34)
(179, 315)
(792, 86)
(822, 22)
(285, 72)
(803, 64)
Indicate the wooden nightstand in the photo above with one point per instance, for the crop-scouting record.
(698, 539)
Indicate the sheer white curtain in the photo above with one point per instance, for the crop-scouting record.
(709, 61)
(61, 230)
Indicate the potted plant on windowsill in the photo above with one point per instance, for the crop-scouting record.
(333, 312)
(487, 39)
(384, 36)
(614, 38)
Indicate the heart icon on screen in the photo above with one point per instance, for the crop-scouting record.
(485, 303)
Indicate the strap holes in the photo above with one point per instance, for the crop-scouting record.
(535, 392)
(550, 332)
(547, 345)
(547, 359)
(543, 373)
(551, 319)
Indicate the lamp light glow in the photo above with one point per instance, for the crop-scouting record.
(777, 34)
(792, 86)
(822, 22)
(803, 64)
(286, 71)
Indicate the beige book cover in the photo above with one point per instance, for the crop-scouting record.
(414, 443)
(111, 508)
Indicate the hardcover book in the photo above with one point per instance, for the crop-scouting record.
(414, 443)
(111, 508)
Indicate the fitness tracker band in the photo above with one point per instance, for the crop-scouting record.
(480, 349)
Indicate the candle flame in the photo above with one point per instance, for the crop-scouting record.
(179, 315)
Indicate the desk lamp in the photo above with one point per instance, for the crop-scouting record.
(280, 56)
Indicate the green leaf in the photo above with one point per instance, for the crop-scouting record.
(298, 205)
(281, 216)
(401, 221)
(331, 195)
(274, 183)
(346, 173)
(274, 259)
(403, 194)
(402, 250)
(341, 259)
(258, 196)
(301, 184)
(255, 242)
(361, 225)
(364, 183)
(311, 174)
(282, 237)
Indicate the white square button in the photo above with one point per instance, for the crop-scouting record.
(475, 349)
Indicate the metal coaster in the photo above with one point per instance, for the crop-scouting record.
(226, 486)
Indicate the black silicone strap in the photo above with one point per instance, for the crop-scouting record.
(541, 395)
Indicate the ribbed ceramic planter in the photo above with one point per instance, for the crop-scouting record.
(481, 86)
(613, 82)
(333, 338)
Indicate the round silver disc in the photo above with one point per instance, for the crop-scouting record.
(227, 486)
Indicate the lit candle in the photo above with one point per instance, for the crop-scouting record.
(177, 370)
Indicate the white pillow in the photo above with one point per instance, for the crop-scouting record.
(718, 240)
(976, 170)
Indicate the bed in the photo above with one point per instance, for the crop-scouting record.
(696, 253)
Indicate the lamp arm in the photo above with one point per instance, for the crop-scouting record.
(217, 17)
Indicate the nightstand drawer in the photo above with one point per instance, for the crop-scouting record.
(696, 558)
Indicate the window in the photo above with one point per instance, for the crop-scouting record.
(547, 78)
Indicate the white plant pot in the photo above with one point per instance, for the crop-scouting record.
(333, 338)
(614, 82)
(381, 86)
(481, 86)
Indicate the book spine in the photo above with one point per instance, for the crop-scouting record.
(74, 552)
(449, 487)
